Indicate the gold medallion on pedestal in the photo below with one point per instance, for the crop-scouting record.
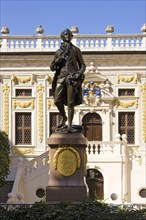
(66, 160)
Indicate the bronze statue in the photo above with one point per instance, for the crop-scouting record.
(69, 70)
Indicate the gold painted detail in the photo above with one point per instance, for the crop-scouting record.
(143, 91)
(127, 79)
(50, 102)
(23, 104)
(126, 104)
(40, 90)
(66, 160)
(17, 79)
(6, 90)
(49, 79)
(23, 151)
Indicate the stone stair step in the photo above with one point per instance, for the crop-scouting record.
(4, 190)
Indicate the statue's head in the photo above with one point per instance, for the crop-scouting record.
(66, 35)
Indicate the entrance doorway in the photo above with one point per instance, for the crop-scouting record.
(92, 125)
(95, 184)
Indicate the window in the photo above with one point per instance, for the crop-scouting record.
(23, 128)
(40, 193)
(95, 182)
(142, 193)
(54, 121)
(126, 125)
(23, 92)
(126, 92)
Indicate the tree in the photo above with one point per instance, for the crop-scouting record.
(4, 157)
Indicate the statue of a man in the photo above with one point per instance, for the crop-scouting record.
(69, 70)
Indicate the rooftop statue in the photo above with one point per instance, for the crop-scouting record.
(69, 68)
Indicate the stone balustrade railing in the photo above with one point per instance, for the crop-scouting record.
(41, 163)
(105, 42)
(25, 171)
(37, 164)
(16, 195)
(118, 146)
(104, 147)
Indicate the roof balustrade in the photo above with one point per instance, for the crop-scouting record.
(86, 42)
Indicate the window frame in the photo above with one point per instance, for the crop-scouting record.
(23, 128)
(126, 127)
(126, 92)
(23, 91)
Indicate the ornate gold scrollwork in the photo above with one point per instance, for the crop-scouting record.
(143, 100)
(126, 104)
(40, 90)
(50, 102)
(49, 79)
(66, 160)
(127, 79)
(23, 151)
(17, 79)
(6, 90)
(23, 104)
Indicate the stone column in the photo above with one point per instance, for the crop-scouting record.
(67, 168)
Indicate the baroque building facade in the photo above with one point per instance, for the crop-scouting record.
(113, 113)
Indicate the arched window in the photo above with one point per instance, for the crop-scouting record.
(95, 183)
(92, 125)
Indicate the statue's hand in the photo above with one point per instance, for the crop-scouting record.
(78, 76)
(75, 79)
(75, 76)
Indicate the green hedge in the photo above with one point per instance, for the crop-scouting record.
(4, 157)
(88, 210)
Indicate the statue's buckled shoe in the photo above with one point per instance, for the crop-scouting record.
(62, 122)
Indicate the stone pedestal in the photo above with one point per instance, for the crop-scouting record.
(67, 168)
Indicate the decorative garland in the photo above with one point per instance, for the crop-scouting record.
(17, 79)
(127, 79)
(6, 90)
(143, 91)
(20, 151)
(126, 104)
(23, 104)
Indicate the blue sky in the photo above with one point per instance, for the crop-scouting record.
(23, 16)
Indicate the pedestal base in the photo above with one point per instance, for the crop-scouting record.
(67, 168)
(56, 194)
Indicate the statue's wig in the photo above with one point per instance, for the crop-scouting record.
(64, 32)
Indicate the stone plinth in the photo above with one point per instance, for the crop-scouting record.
(67, 168)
